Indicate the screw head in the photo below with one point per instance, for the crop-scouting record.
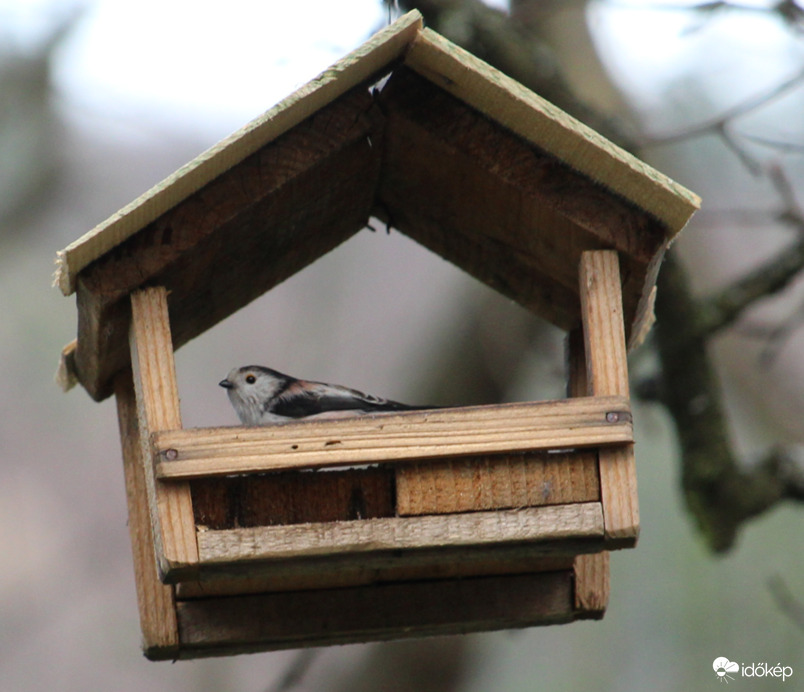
(171, 454)
(612, 417)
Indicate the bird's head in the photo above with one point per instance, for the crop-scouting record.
(251, 388)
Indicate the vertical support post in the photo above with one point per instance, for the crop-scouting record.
(591, 570)
(607, 375)
(154, 373)
(156, 601)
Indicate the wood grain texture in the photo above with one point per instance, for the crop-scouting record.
(387, 438)
(222, 626)
(604, 345)
(499, 207)
(154, 376)
(476, 168)
(591, 570)
(358, 66)
(303, 578)
(591, 573)
(518, 109)
(249, 229)
(293, 497)
(497, 482)
(607, 373)
(156, 602)
(546, 528)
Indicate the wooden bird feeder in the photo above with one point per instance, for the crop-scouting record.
(446, 521)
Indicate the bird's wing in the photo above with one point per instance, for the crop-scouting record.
(305, 398)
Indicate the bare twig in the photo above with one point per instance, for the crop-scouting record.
(788, 10)
(786, 601)
(775, 336)
(718, 124)
(792, 213)
(302, 660)
(782, 146)
(725, 307)
(722, 309)
(775, 339)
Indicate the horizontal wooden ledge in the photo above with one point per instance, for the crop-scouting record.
(412, 435)
(543, 525)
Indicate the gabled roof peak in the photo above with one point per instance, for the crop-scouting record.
(452, 152)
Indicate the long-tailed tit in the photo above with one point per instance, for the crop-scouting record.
(262, 396)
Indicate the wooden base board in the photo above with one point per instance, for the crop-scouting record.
(245, 624)
(248, 623)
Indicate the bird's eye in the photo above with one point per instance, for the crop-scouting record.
(251, 379)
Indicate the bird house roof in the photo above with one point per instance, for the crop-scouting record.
(445, 148)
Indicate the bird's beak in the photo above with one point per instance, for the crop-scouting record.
(226, 384)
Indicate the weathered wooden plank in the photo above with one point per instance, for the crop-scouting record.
(591, 570)
(522, 216)
(248, 228)
(156, 602)
(154, 374)
(591, 573)
(222, 626)
(607, 372)
(562, 424)
(235, 209)
(517, 108)
(301, 577)
(293, 497)
(548, 526)
(358, 66)
(497, 482)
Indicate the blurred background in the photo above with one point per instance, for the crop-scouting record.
(101, 99)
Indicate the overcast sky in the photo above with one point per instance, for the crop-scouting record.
(215, 66)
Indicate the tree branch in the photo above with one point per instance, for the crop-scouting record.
(723, 308)
(726, 306)
(788, 10)
(750, 105)
(786, 601)
(720, 494)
